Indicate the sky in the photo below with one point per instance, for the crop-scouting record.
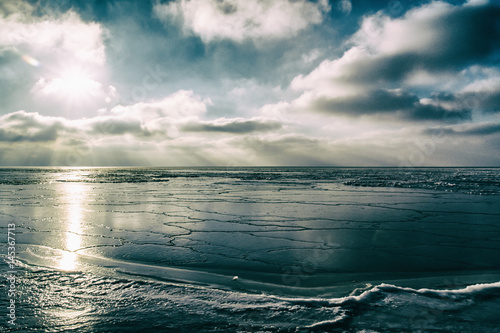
(249, 83)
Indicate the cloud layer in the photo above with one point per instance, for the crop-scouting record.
(239, 20)
(67, 35)
(254, 82)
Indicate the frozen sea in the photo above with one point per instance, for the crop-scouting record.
(250, 249)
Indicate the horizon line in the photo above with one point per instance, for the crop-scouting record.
(241, 166)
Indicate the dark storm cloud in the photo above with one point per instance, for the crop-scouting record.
(41, 135)
(402, 103)
(239, 126)
(478, 130)
(465, 34)
(487, 101)
(382, 69)
(378, 101)
(24, 127)
(476, 21)
(427, 43)
(437, 113)
(457, 38)
(118, 126)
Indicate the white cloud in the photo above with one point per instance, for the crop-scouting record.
(22, 126)
(141, 119)
(486, 85)
(311, 56)
(72, 91)
(60, 86)
(243, 19)
(171, 131)
(66, 35)
(31, 139)
(417, 31)
(332, 77)
(477, 2)
(161, 120)
(234, 125)
(181, 105)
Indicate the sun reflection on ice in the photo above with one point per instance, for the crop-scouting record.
(74, 195)
(68, 261)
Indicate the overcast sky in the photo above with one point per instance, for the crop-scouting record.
(249, 82)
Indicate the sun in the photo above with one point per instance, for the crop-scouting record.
(72, 84)
(75, 88)
(75, 83)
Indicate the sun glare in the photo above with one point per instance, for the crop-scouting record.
(72, 84)
(74, 193)
(76, 84)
